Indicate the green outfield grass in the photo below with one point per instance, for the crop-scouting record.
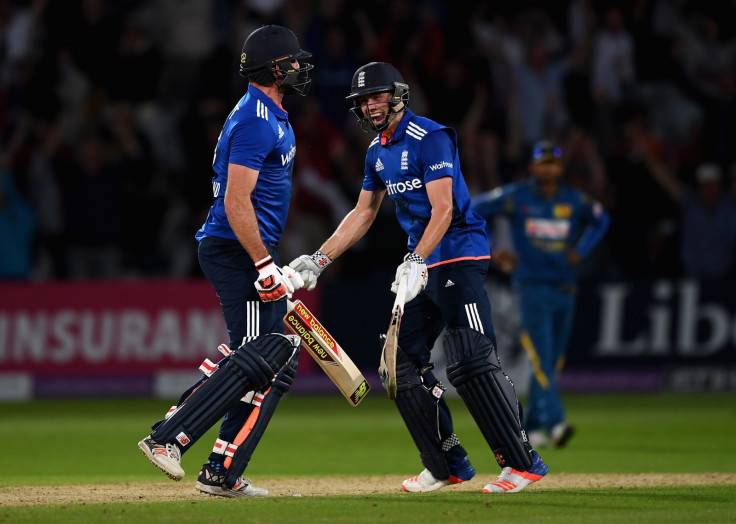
(94, 441)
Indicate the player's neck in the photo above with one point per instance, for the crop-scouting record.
(391, 129)
(548, 189)
(273, 92)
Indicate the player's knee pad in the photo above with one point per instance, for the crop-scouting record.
(474, 370)
(251, 367)
(249, 437)
(418, 396)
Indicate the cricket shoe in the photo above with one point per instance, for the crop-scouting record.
(423, 482)
(560, 434)
(461, 472)
(165, 457)
(512, 480)
(211, 482)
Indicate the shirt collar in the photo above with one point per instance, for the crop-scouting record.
(277, 110)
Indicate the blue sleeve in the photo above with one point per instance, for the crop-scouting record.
(371, 180)
(438, 155)
(597, 219)
(251, 142)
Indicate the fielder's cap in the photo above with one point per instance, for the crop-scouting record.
(708, 172)
(545, 151)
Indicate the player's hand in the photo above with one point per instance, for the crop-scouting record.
(309, 268)
(506, 261)
(415, 270)
(294, 277)
(272, 283)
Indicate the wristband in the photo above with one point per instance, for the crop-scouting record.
(264, 262)
(321, 259)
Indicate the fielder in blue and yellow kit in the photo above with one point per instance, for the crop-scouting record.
(238, 253)
(553, 227)
(415, 161)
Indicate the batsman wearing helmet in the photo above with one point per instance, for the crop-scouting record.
(415, 162)
(238, 252)
(553, 227)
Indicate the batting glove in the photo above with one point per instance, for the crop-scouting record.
(275, 283)
(310, 267)
(415, 270)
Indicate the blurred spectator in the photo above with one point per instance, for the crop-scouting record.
(17, 226)
(584, 169)
(541, 93)
(708, 246)
(338, 62)
(463, 99)
(93, 213)
(158, 79)
(643, 217)
(613, 72)
(319, 202)
(187, 37)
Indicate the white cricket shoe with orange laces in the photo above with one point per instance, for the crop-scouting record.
(512, 480)
(423, 482)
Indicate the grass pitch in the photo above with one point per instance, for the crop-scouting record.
(49, 445)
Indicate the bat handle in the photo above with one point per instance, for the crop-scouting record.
(401, 293)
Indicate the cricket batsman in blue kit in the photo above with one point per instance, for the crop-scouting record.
(238, 252)
(553, 227)
(415, 161)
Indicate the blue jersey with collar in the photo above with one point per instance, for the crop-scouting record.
(544, 229)
(419, 152)
(257, 135)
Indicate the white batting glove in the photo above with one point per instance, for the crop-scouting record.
(272, 283)
(415, 270)
(294, 277)
(309, 267)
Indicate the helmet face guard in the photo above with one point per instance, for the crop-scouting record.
(378, 77)
(296, 81)
(267, 58)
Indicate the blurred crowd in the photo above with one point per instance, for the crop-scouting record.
(110, 111)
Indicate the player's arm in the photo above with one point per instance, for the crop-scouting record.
(273, 282)
(499, 201)
(596, 220)
(414, 268)
(355, 224)
(439, 192)
(352, 228)
(241, 181)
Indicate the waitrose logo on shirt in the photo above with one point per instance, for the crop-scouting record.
(400, 187)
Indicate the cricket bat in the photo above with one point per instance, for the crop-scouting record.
(325, 350)
(387, 368)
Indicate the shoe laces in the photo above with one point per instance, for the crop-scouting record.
(172, 451)
(241, 483)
